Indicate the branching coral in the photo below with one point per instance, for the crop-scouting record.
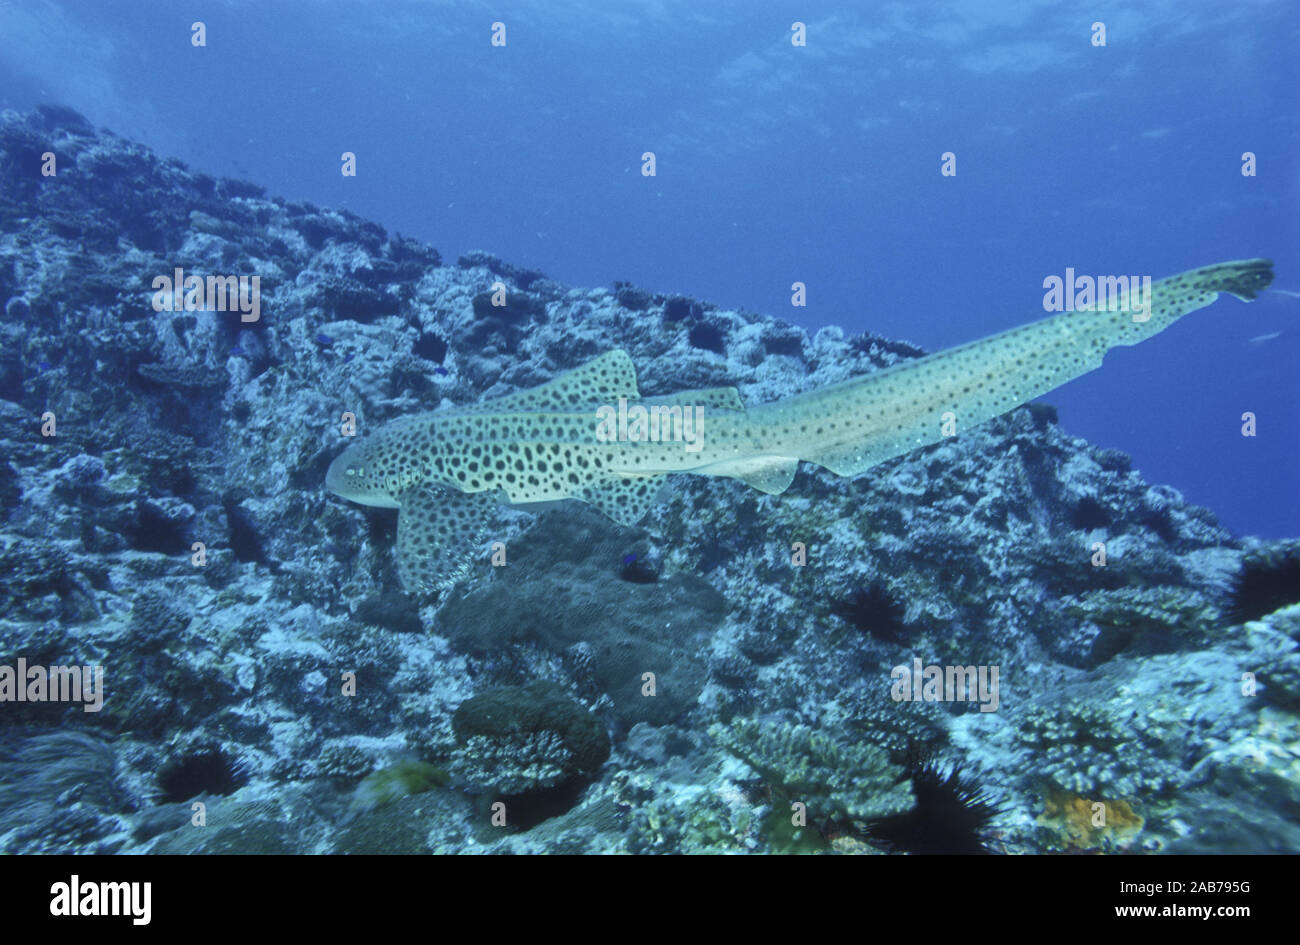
(837, 782)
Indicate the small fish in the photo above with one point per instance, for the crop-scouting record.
(440, 371)
(45, 366)
(628, 559)
(238, 352)
(348, 358)
(324, 340)
(1260, 339)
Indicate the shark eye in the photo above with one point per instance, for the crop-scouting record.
(355, 470)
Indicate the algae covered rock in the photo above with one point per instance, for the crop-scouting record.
(405, 779)
(562, 589)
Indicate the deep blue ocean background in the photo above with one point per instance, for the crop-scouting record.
(776, 164)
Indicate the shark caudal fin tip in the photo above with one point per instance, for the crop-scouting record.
(1258, 278)
(1245, 278)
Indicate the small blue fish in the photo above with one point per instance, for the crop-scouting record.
(348, 358)
(628, 559)
(45, 366)
(237, 351)
(325, 340)
(440, 371)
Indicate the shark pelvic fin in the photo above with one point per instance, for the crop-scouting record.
(770, 474)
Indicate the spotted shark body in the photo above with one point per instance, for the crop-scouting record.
(589, 435)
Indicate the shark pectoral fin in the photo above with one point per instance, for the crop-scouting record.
(625, 499)
(719, 398)
(438, 532)
(770, 474)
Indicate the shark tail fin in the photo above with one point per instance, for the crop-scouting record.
(1174, 297)
(910, 405)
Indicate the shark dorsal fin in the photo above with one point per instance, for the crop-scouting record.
(719, 398)
(601, 380)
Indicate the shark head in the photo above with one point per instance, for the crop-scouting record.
(360, 476)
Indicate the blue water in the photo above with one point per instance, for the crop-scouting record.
(775, 164)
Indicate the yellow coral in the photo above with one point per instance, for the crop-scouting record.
(403, 779)
(1087, 824)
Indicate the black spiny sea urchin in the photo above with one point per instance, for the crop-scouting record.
(873, 610)
(952, 815)
(1267, 580)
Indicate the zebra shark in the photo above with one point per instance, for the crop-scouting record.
(447, 470)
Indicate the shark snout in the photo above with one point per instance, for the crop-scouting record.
(336, 476)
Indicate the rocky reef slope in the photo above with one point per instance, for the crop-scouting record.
(280, 676)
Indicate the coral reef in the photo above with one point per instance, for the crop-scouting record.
(836, 782)
(728, 658)
(518, 739)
